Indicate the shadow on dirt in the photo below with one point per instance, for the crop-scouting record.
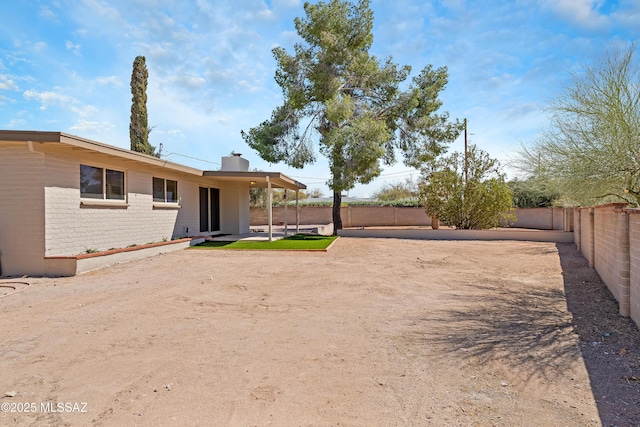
(609, 343)
(532, 331)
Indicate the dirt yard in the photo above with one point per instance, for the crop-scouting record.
(376, 332)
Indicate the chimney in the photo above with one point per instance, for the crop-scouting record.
(235, 162)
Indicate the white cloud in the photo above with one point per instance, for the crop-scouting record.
(628, 15)
(583, 13)
(84, 111)
(249, 87)
(188, 81)
(100, 18)
(109, 81)
(39, 46)
(6, 83)
(75, 48)
(52, 99)
(85, 126)
(47, 13)
(16, 123)
(48, 98)
(285, 3)
(5, 100)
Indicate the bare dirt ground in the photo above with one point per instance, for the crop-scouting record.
(374, 332)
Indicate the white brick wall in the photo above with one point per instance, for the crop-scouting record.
(71, 229)
(41, 212)
(21, 210)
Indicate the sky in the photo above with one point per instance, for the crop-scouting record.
(66, 66)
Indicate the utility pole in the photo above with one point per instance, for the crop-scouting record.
(466, 154)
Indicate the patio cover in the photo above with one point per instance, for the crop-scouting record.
(268, 180)
(258, 179)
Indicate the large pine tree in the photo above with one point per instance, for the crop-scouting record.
(139, 126)
(350, 102)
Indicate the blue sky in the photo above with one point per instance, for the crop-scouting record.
(66, 66)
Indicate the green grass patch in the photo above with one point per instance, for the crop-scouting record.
(297, 242)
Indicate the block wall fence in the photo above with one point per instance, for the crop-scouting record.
(372, 216)
(609, 238)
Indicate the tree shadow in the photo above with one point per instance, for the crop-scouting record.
(540, 330)
(530, 331)
(609, 343)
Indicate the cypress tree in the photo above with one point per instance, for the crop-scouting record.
(139, 126)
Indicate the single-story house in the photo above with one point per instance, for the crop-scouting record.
(62, 195)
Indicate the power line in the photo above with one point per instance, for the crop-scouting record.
(189, 157)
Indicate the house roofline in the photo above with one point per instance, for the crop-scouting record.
(88, 144)
(256, 179)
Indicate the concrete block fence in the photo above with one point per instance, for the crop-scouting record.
(352, 216)
(609, 238)
(386, 216)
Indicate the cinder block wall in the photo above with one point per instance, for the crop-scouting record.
(634, 264)
(609, 237)
(610, 247)
(308, 215)
(371, 216)
(360, 216)
(575, 227)
(539, 218)
(586, 232)
(352, 216)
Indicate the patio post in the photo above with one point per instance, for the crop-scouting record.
(270, 203)
(286, 222)
(297, 213)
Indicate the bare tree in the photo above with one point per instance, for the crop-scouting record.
(591, 151)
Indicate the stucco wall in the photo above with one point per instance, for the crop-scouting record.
(234, 208)
(21, 210)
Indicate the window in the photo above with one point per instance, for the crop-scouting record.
(165, 190)
(99, 183)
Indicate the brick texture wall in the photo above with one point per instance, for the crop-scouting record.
(370, 216)
(606, 247)
(610, 240)
(634, 265)
(72, 228)
(539, 218)
(352, 216)
(21, 210)
(586, 234)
